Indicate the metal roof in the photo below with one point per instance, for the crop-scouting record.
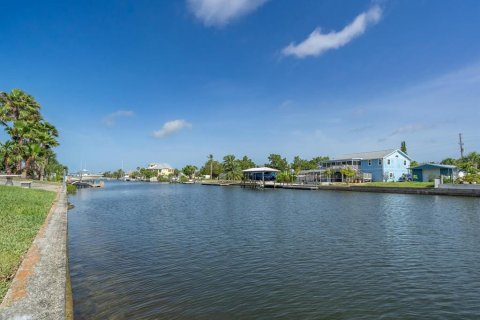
(158, 166)
(261, 169)
(434, 165)
(370, 155)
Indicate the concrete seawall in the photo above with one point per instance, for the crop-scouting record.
(445, 190)
(403, 190)
(39, 289)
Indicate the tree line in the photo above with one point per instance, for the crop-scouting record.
(29, 149)
(470, 164)
(230, 167)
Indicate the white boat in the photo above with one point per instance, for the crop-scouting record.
(83, 176)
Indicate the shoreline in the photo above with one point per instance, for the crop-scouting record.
(40, 287)
(363, 188)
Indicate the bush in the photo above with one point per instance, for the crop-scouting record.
(71, 189)
(472, 178)
(163, 179)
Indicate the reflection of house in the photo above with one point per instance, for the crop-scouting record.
(160, 169)
(386, 165)
(430, 171)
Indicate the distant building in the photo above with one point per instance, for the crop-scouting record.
(385, 165)
(161, 169)
(430, 171)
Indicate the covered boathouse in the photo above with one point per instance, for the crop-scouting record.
(256, 176)
(430, 171)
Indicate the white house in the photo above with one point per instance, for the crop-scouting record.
(161, 169)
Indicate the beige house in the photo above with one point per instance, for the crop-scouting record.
(161, 169)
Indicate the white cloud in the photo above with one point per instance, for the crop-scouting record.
(110, 119)
(221, 12)
(318, 42)
(171, 127)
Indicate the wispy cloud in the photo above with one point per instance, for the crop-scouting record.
(110, 119)
(412, 128)
(221, 12)
(361, 129)
(171, 127)
(318, 42)
(286, 105)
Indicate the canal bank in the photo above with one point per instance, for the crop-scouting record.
(39, 289)
(444, 190)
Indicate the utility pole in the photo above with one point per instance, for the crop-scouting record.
(210, 158)
(460, 142)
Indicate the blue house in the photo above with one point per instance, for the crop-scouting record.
(385, 165)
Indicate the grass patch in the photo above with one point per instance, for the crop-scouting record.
(406, 184)
(22, 213)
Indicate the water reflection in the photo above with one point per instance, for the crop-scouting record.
(148, 251)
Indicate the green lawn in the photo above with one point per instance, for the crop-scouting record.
(22, 212)
(406, 184)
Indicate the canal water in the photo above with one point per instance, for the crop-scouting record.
(159, 251)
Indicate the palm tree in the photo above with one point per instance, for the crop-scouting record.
(18, 105)
(329, 173)
(34, 152)
(4, 156)
(11, 155)
(32, 138)
(349, 173)
(231, 167)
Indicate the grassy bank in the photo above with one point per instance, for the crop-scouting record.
(406, 184)
(22, 212)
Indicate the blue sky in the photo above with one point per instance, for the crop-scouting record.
(173, 81)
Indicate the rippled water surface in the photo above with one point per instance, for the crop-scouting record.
(159, 251)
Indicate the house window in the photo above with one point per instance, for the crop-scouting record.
(379, 162)
(388, 161)
(369, 162)
(404, 162)
(391, 174)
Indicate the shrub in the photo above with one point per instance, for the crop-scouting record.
(71, 189)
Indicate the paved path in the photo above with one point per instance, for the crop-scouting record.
(38, 290)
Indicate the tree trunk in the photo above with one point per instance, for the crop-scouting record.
(28, 164)
(18, 166)
(7, 167)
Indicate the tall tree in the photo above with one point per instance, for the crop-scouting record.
(277, 162)
(298, 164)
(246, 163)
(189, 170)
(449, 161)
(231, 167)
(18, 105)
(212, 166)
(31, 136)
(316, 161)
(403, 147)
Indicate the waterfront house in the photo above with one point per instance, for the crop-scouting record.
(160, 169)
(430, 171)
(384, 165)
